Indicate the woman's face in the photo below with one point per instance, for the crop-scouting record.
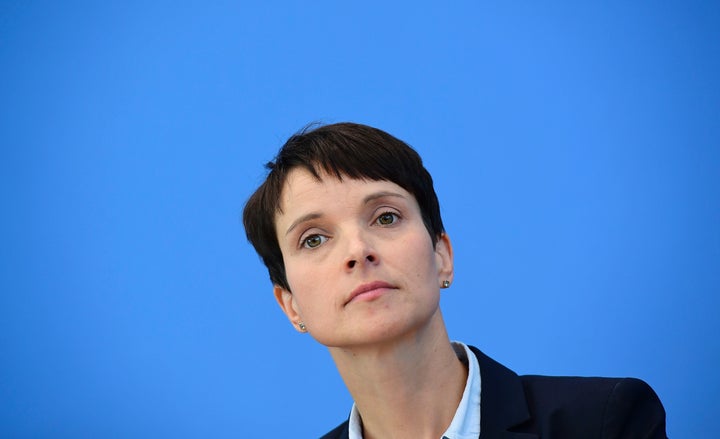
(359, 261)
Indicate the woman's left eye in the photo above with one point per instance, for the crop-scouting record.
(387, 218)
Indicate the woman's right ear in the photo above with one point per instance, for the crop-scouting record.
(287, 303)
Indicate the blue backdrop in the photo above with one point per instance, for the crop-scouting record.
(575, 148)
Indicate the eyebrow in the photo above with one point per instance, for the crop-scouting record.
(315, 215)
(381, 194)
(302, 219)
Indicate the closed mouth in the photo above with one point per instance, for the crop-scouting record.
(367, 288)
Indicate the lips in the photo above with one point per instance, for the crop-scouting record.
(369, 290)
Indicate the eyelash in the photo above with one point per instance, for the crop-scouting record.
(395, 215)
(323, 239)
(304, 241)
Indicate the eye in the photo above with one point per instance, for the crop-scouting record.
(387, 218)
(314, 241)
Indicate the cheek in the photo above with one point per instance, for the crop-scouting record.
(423, 247)
(307, 284)
(297, 270)
(417, 256)
(296, 281)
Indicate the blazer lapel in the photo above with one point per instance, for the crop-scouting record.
(502, 400)
(502, 403)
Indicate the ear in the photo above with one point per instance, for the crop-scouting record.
(444, 256)
(287, 303)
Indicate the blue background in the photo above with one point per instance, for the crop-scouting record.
(576, 153)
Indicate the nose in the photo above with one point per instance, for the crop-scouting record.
(360, 251)
(352, 262)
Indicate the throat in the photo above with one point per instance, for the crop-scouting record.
(389, 392)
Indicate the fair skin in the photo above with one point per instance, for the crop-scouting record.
(365, 280)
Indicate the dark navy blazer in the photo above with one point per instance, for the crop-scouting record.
(544, 407)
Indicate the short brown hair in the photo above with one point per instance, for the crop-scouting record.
(342, 150)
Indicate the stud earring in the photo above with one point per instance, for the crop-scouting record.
(302, 326)
(446, 284)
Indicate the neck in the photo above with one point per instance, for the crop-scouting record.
(393, 382)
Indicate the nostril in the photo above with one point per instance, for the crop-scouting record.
(371, 258)
(351, 264)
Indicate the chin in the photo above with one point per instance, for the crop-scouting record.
(376, 334)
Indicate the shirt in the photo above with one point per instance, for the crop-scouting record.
(466, 421)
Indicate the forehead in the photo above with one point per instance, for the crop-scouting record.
(302, 190)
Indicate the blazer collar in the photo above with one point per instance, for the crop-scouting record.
(502, 400)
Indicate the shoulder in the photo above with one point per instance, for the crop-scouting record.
(615, 407)
(339, 432)
(567, 407)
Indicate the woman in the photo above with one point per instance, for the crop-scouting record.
(348, 225)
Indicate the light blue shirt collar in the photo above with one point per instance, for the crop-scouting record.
(466, 422)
